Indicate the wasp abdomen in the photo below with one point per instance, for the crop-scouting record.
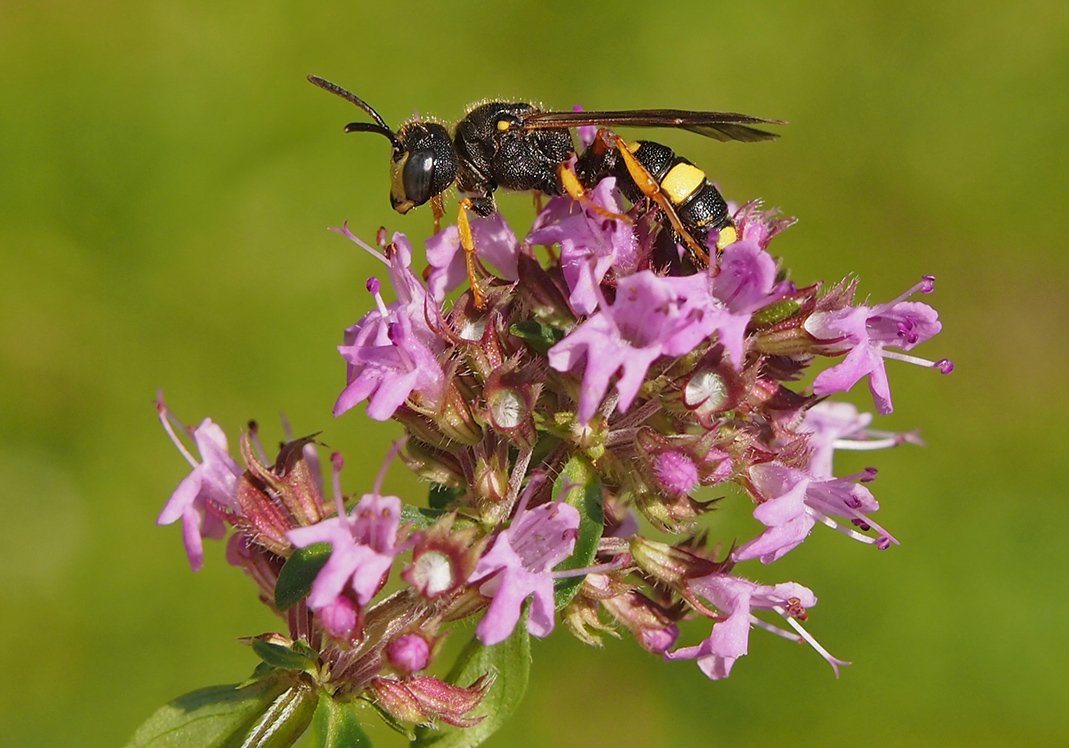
(698, 203)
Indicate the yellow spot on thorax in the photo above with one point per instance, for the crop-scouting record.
(503, 124)
(682, 181)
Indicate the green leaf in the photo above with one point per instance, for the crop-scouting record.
(776, 313)
(259, 673)
(283, 657)
(271, 713)
(510, 662)
(585, 494)
(297, 574)
(538, 336)
(421, 517)
(335, 725)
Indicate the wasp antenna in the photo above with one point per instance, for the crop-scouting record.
(349, 96)
(368, 127)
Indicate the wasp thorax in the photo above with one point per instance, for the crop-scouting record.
(423, 167)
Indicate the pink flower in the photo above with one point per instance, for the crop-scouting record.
(744, 284)
(834, 426)
(392, 352)
(863, 333)
(387, 364)
(794, 501)
(206, 493)
(363, 547)
(590, 243)
(652, 316)
(494, 243)
(738, 598)
(519, 565)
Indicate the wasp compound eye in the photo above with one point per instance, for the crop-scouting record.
(418, 177)
(427, 166)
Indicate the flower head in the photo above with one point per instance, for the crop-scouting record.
(597, 349)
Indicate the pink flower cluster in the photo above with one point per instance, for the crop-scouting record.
(599, 350)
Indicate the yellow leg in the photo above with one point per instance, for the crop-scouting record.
(578, 193)
(467, 243)
(649, 187)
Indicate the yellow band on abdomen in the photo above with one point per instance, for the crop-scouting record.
(682, 181)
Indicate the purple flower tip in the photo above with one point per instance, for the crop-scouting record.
(373, 285)
(340, 618)
(676, 472)
(927, 284)
(409, 653)
(659, 640)
(945, 365)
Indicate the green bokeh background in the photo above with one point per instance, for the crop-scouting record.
(165, 180)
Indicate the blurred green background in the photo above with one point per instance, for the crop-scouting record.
(166, 177)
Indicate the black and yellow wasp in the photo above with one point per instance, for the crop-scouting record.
(517, 146)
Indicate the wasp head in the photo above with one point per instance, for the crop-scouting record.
(424, 162)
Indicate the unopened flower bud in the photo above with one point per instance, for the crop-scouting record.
(651, 625)
(433, 464)
(667, 563)
(341, 619)
(491, 485)
(455, 419)
(408, 653)
(424, 700)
